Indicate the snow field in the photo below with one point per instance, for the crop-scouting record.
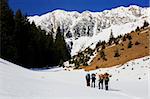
(20, 83)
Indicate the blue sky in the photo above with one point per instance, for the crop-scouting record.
(38, 7)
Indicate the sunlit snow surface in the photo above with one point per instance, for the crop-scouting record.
(126, 83)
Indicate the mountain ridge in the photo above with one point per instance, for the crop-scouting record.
(87, 24)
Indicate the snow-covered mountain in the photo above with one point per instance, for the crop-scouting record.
(87, 28)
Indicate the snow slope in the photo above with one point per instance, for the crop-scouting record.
(78, 28)
(20, 83)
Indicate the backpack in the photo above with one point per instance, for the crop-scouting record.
(107, 79)
(88, 76)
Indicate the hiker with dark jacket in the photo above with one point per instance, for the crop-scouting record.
(87, 79)
(101, 78)
(106, 79)
(93, 80)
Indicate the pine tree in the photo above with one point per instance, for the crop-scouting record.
(98, 44)
(51, 50)
(111, 38)
(129, 37)
(117, 53)
(7, 43)
(102, 55)
(62, 51)
(130, 44)
(145, 24)
(124, 38)
(76, 64)
(33, 46)
(22, 37)
(103, 44)
(137, 29)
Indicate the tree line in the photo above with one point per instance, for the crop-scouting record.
(26, 44)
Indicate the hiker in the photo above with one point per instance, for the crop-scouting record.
(88, 79)
(93, 80)
(106, 79)
(101, 78)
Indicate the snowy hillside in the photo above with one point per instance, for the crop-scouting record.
(129, 81)
(89, 26)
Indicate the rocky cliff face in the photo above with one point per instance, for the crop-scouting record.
(89, 24)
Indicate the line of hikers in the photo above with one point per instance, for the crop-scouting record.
(102, 78)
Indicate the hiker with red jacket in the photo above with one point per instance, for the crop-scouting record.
(100, 83)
